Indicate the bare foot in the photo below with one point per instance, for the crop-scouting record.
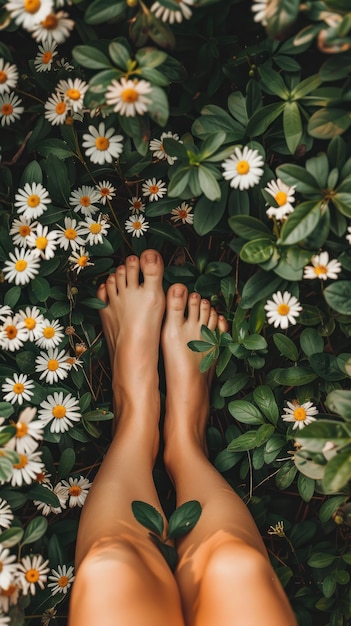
(131, 323)
(187, 399)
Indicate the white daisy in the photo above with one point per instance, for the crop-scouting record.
(158, 150)
(299, 414)
(54, 27)
(322, 268)
(52, 365)
(43, 242)
(32, 200)
(10, 109)
(182, 213)
(136, 225)
(60, 412)
(8, 76)
(50, 335)
(28, 13)
(28, 432)
(5, 311)
(56, 109)
(74, 362)
(154, 189)
(13, 334)
(83, 198)
(4, 620)
(128, 96)
(62, 579)
(106, 191)
(70, 235)
(283, 309)
(348, 236)
(21, 267)
(33, 320)
(73, 91)
(9, 597)
(26, 470)
(283, 196)
(95, 229)
(77, 490)
(259, 9)
(243, 168)
(20, 230)
(44, 59)
(101, 145)
(6, 515)
(60, 492)
(8, 568)
(136, 205)
(33, 571)
(171, 15)
(79, 260)
(17, 388)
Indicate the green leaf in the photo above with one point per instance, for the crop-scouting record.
(339, 401)
(148, 516)
(43, 494)
(178, 181)
(258, 287)
(286, 346)
(329, 507)
(100, 11)
(305, 487)
(328, 122)
(244, 442)
(95, 96)
(235, 383)
(184, 519)
(321, 559)
(150, 57)
(207, 214)
(93, 303)
(158, 108)
(249, 227)
(280, 16)
(311, 342)
(91, 57)
(257, 251)
(296, 175)
(66, 463)
(285, 475)
(245, 412)
(208, 183)
(254, 342)
(35, 529)
(54, 146)
(6, 410)
(315, 435)
(260, 120)
(338, 296)
(301, 222)
(6, 469)
(31, 174)
(11, 537)
(338, 471)
(12, 296)
(292, 126)
(166, 232)
(265, 400)
(294, 376)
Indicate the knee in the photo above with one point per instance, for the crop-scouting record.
(236, 561)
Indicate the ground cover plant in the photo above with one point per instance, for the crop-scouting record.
(217, 131)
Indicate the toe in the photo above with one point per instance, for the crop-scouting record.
(194, 307)
(132, 269)
(176, 302)
(111, 288)
(151, 265)
(102, 293)
(222, 324)
(121, 277)
(205, 309)
(213, 319)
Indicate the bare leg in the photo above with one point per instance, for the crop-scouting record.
(224, 574)
(122, 579)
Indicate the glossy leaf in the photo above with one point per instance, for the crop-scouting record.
(148, 516)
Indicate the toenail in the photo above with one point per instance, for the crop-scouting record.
(195, 296)
(179, 292)
(205, 302)
(132, 259)
(150, 257)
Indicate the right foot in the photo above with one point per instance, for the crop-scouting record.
(131, 323)
(187, 398)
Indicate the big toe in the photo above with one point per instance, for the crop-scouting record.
(151, 265)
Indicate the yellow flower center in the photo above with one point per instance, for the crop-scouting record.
(63, 581)
(137, 205)
(59, 411)
(30, 323)
(243, 167)
(21, 265)
(281, 198)
(83, 260)
(73, 94)
(154, 189)
(182, 213)
(320, 270)
(137, 225)
(95, 228)
(3, 77)
(60, 108)
(21, 429)
(102, 143)
(33, 201)
(41, 243)
(24, 230)
(300, 414)
(50, 22)
(46, 58)
(129, 95)
(53, 365)
(22, 462)
(31, 6)
(104, 191)
(75, 490)
(85, 201)
(18, 388)
(49, 332)
(70, 233)
(11, 331)
(32, 576)
(7, 109)
(283, 309)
